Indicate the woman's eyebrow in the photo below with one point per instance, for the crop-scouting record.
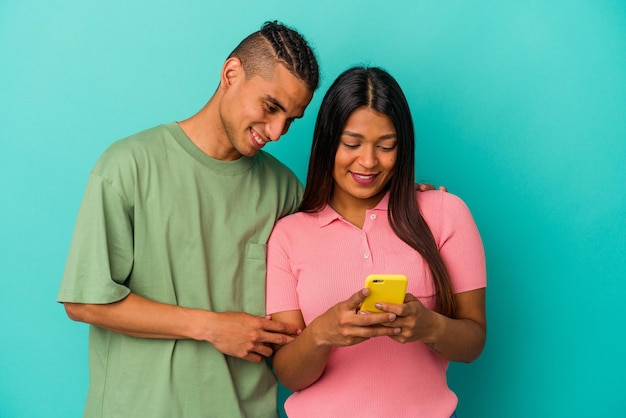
(354, 134)
(358, 135)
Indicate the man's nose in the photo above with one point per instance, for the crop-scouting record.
(277, 127)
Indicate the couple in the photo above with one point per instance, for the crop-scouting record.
(167, 262)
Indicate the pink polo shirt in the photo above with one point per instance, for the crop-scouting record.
(316, 260)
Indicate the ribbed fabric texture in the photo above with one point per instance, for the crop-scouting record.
(317, 260)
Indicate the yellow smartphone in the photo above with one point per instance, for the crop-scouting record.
(388, 288)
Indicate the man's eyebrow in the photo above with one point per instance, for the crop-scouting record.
(275, 102)
(279, 105)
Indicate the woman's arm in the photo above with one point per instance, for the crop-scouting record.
(459, 339)
(301, 362)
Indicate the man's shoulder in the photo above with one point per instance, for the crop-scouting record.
(140, 141)
(267, 158)
(274, 165)
(127, 152)
(143, 139)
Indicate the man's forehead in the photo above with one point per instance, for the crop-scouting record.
(288, 92)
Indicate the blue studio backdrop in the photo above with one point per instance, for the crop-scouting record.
(520, 109)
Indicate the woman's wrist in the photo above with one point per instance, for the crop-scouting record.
(437, 329)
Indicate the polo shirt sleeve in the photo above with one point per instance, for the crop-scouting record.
(101, 252)
(460, 245)
(281, 283)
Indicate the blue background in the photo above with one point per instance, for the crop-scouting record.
(520, 109)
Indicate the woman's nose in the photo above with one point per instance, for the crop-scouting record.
(367, 157)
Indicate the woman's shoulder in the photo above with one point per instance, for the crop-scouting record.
(439, 200)
(443, 210)
(296, 220)
(446, 214)
(294, 228)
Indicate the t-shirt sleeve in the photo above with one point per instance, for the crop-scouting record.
(281, 284)
(460, 245)
(101, 252)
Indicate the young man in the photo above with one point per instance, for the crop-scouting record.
(167, 262)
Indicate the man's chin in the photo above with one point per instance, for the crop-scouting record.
(250, 152)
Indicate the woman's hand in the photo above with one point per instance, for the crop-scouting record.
(456, 339)
(415, 321)
(300, 363)
(342, 325)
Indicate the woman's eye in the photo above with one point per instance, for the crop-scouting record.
(351, 146)
(388, 148)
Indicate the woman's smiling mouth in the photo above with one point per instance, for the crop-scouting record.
(364, 179)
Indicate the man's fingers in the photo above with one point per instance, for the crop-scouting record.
(426, 187)
(280, 327)
(276, 338)
(263, 350)
(253, 357)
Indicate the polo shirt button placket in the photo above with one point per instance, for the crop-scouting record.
(367, 254)
(365, 248)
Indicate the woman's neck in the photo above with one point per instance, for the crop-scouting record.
(353, 209)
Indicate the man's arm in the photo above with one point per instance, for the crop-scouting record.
(236, 334)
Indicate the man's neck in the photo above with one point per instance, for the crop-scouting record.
(206, 131)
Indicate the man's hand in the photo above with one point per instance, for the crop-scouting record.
(246, 336)
(426, 187)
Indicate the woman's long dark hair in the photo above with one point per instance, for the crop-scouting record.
(376, 89)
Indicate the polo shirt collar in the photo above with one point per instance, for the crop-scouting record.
(327, 215)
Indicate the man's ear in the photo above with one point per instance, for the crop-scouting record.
(231, 71)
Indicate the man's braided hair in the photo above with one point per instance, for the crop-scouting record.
(277, 43)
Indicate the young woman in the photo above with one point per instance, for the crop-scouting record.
(361, 215)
